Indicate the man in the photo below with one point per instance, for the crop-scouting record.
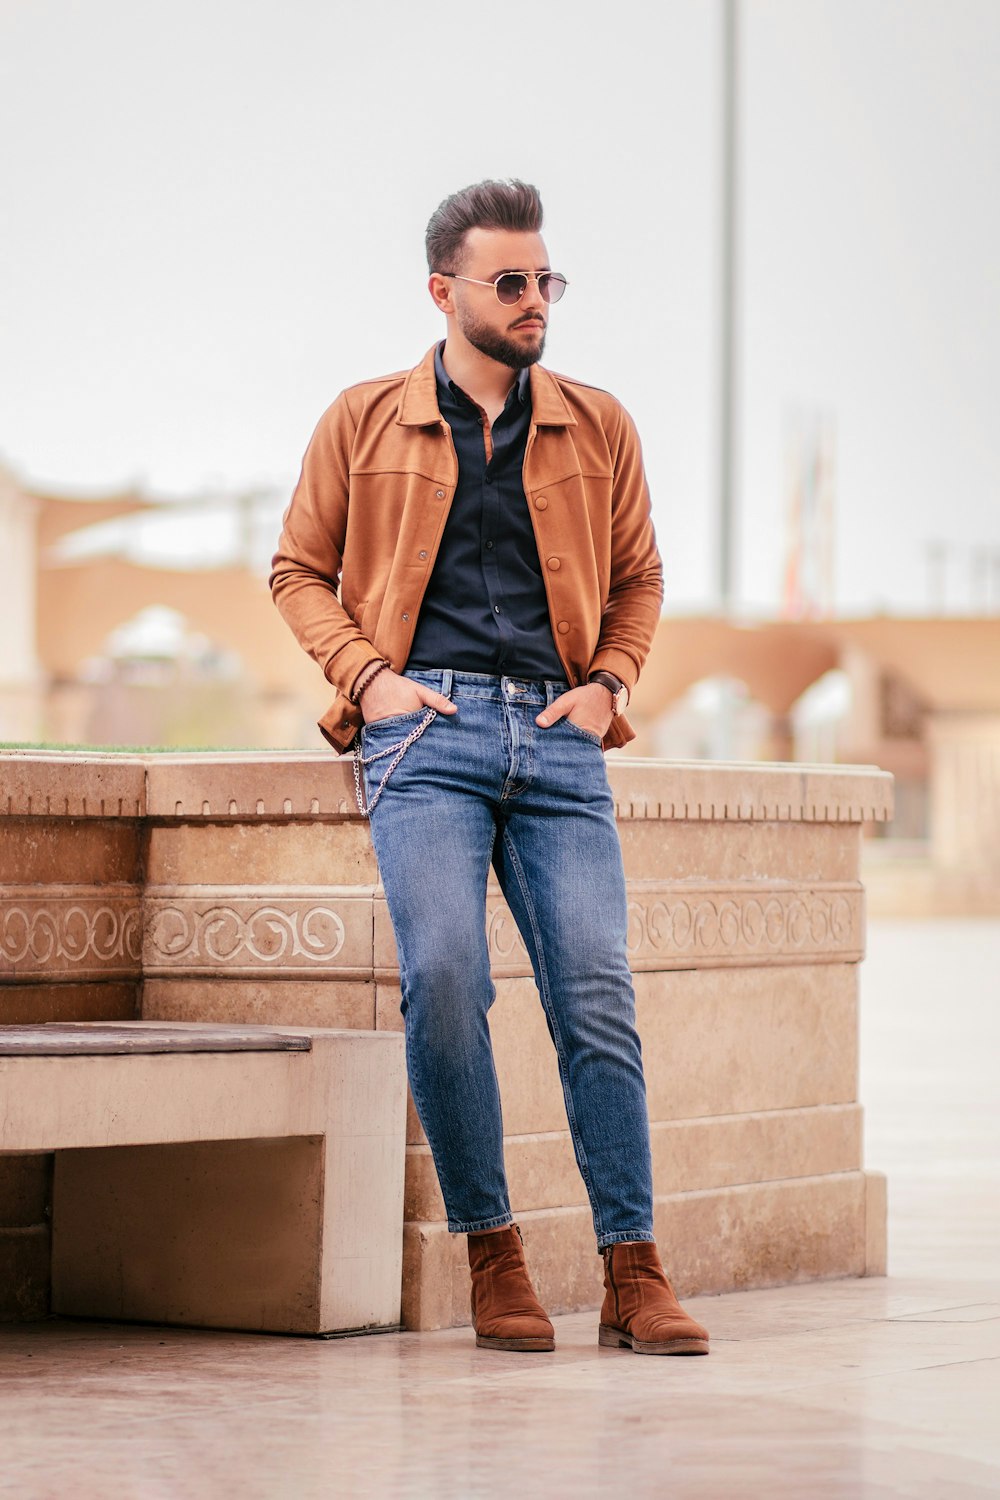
(488, 523)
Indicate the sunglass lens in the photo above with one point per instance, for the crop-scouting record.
(510, 288)
(551, 285)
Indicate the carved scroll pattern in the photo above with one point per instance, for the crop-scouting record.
(250, 934)
(76, 932)
(723, 926)
(80, 932)
(683, 928)
(505, 942)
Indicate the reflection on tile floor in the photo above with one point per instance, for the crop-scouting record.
(849, 1389)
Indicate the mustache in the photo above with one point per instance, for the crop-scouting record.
(531, 319)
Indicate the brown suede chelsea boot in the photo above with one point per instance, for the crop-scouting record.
(505, 1310)
(640, 1310)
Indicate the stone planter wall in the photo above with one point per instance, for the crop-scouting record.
(244, 888)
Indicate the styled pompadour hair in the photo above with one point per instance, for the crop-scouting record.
(508, 204)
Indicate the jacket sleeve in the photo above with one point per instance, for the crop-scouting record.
(635, 594)
(305, 571)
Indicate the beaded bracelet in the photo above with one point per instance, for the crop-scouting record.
(367, 680)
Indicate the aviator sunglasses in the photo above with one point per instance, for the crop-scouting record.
(510, 286)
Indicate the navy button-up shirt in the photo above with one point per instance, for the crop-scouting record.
(485, 608)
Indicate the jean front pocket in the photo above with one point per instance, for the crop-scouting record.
(387, 751)
(393, 721)
(585, 734)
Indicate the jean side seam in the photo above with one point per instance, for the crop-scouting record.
(546, 997)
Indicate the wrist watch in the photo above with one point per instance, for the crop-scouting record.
(615, 686)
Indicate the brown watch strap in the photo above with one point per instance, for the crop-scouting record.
(613, 684)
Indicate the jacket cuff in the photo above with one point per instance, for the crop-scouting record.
(620, 732)
(340, 723)
(344, 669)
(610, 659)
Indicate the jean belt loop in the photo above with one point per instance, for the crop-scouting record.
(447, 678)
(552, 691)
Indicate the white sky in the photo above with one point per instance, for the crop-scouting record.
(213, 219)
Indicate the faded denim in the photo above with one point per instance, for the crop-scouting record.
(487, 784)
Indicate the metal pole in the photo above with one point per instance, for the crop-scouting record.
(728, 302)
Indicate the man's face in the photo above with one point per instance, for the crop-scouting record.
(513, 336)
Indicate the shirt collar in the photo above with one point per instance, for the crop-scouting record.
(418, 401)
(445, 384)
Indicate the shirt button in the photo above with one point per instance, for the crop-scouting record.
(489, 546)
(489, 479)
(541, 503)
(555, 564)
(563, 627)
(439, 494)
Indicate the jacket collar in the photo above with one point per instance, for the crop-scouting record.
(418, 405)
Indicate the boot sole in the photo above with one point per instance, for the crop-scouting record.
(516, 1346)
(616, 1338)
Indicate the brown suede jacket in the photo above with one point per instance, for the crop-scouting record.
(370, 507)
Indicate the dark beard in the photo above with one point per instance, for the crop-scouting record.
(504, 351)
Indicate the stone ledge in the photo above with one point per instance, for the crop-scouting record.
(262, 784)
(71, 784)
(742, 792)
(275, 785)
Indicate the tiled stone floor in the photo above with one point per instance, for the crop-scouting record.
(887, 1387)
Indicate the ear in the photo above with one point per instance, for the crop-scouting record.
(441, 289)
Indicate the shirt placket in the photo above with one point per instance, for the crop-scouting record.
(497, 444)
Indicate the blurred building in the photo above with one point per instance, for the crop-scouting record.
(918, 697)
(101, 649)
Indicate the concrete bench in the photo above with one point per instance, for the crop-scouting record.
(216, 1176)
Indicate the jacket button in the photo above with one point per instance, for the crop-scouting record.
(346, 724)
(541, 503)
(405, 615)
(439, 494)
(555, 564)
(563, 627)
(422, 555)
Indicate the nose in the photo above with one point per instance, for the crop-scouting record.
(532, 297)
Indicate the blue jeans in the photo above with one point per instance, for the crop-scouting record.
(488, 785)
